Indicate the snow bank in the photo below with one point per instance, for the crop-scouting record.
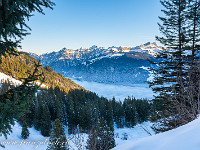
(183, 138)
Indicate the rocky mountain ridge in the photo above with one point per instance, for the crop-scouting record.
(123, 65)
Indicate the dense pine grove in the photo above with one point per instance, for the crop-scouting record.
(93, 114)
(83, 108)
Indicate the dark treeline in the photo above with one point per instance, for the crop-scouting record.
(81, 108)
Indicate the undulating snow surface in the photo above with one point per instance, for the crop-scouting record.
(183, 138)
(120, 92)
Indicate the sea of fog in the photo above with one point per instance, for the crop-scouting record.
(120, 92)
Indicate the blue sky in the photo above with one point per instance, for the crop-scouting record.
(83, 23)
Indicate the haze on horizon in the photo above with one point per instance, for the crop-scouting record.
(83, 23)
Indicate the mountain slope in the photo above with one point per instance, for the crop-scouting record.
(185, 137)
(18, 67)
(120, 65)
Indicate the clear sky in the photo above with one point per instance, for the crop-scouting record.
(83, 23)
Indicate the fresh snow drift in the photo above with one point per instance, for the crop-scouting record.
(185, 137)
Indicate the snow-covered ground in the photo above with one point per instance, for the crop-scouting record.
(185, 137)
(133, 134)
(4, 77)
(36, 141)
(120, 92)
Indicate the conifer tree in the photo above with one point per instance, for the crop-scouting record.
(45, 121)
(101, 138)
(173, 28)
(193, 17)
(171, 74)
(37, 115)
(25, 132)
(92, 140)
(58, 140)
(13, 14)
(13, 28)
(14, 102)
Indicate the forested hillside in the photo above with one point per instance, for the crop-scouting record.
(22, 65)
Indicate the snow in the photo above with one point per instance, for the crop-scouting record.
(120, 92)
(36, 141)
(14, 141)
(185, 137)
(133, 134)
(106, 56)
(76, 142)
(151, 75)
(6, 77)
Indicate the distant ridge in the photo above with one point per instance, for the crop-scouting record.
(120, 65)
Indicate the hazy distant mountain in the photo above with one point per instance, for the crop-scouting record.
(123, 65)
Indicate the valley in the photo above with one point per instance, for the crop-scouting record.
(120, 92)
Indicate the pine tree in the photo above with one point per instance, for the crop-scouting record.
(14, 102)
(37, 113)
(193, 90)
(45, 121)
(176, 75)
(170, 68)
(193, 17)
(106, 136)
(92, 140)
(130, 112)
(57, 139)
(13, 14)
(101, 138)
(25, 132)
(170, 72)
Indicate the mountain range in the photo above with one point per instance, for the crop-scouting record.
(118, 65)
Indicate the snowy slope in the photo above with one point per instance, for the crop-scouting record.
(76, 142)
(4, 77)
(183, 138)
(36, 141)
